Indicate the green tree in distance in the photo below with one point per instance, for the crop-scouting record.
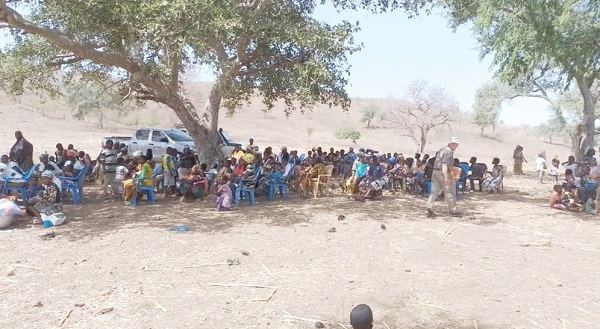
(368, 114)
(348, 133)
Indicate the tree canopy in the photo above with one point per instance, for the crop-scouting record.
(272, 49)
(367, 114)
(554, 41)
(348, 133)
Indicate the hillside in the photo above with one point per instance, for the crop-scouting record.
(49, 122)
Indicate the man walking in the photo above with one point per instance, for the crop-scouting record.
(442, 179)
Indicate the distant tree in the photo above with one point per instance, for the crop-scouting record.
(348, 133)
(424, 109)
(368, 114)
(94, 98)
(309, 132)
(488, 103)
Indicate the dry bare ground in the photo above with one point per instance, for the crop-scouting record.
(509, 263)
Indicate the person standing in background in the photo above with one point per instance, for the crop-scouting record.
(519, 159)
(22, 152)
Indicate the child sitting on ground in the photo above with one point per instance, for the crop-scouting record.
(562, 200)
(361, 317)
(224, 196)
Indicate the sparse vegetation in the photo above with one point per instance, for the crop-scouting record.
(426, 108)
(348, 133)
(368, 114)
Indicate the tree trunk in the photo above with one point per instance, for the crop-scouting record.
(589, 118)
(423, 141)
(368, 123)
(203, 130)
(481, 133)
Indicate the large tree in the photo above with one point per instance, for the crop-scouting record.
(273, 49)
(534, 40)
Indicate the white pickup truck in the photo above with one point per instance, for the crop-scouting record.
(155, 139)
(159, 139)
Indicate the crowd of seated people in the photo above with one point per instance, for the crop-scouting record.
(47, 179)
(576, 188)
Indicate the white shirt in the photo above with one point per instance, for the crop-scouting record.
(120, 173)
(51, 166)
(7, 172)
(287, 169)
(15, 166)
(539, 163)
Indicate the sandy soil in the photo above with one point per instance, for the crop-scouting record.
(510, 263)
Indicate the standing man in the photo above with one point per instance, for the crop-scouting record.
(442, 179)
(22, 152)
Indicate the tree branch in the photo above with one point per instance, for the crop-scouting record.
(219, 49)
(77, 47)
(280, 65)
(175, 66)
(64, 60)
(242, 55)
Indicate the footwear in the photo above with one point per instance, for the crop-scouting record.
(430, 213)
(455, 213)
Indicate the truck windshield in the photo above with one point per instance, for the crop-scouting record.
(179, 136)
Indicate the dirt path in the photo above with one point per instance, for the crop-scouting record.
(510, 263)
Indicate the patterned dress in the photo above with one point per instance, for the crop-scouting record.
(51, 202)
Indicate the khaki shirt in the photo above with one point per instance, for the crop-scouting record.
(445, 155)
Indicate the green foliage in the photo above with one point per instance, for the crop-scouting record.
(488, 103)
(368, 114)
(549, 41)
(348, 133)
(274, 49)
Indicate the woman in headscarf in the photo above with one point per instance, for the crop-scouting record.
(519, 159)
(48, 201)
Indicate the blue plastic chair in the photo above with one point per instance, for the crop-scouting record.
(75, 185)
(428, 187)
(246, 188)
(279, 184)
(142, 188)
(591, 186)
(462, 182)
(24, 180)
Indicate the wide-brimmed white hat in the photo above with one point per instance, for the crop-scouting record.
(454, 140)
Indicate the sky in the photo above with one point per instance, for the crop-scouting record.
(398, 50)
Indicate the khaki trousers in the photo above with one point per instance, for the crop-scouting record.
(437, 186)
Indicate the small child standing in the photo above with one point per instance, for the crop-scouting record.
(120, 173)
(224, 196)
(554, 170)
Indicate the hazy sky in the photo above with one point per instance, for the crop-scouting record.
(398, 50)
